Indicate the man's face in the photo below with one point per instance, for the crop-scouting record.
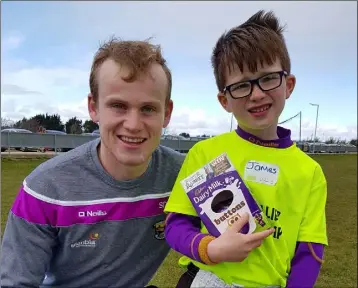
(260, 109)
(130, 115)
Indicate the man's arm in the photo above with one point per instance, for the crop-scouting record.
(27, 243)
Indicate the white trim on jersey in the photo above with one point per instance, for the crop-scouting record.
(28, 190)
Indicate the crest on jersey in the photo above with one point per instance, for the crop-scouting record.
(159, 230)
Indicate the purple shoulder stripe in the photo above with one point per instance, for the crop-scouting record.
(40, 211)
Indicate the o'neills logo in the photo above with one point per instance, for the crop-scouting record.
(229, 213)
(92, 213)
(266, 144)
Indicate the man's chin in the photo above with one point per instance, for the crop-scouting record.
(131, 159)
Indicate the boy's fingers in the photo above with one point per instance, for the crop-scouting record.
(237, 225)
(259, 236)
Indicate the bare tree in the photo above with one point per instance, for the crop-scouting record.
(6, 123)
(75, 128)
(169, 131)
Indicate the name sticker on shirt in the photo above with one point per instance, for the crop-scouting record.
(261, 172)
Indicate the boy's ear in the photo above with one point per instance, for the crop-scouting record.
(290, 85)
(224, 102)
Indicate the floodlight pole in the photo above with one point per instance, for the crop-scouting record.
(315, 129)
(300, 126)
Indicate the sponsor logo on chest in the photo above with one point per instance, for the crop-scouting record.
(89, 242)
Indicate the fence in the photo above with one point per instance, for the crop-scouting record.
(33, 141)
(29, 141)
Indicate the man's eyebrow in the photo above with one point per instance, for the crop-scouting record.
(154, 102)
(150, 103)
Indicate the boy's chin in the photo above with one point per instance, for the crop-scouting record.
(259, 125)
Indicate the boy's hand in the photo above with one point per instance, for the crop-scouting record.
(232, 246)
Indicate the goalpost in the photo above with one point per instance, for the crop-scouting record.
(287, 120)
(299, 114)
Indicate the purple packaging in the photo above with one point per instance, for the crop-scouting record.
(220, 197)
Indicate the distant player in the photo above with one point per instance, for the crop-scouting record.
(253, 75)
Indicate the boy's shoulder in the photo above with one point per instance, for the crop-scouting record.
(302, 158)
(217, 141)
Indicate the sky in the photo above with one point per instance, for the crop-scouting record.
(47, 50)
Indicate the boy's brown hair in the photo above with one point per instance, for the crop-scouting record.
(259, 39)
(136, 56)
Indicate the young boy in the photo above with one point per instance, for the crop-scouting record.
(253, 75)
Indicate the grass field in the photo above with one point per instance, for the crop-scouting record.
(340, 269)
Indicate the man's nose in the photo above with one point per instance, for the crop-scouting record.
(133, 121)
(257, 94)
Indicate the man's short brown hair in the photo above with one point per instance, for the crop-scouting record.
(136, 56)
(259, 39)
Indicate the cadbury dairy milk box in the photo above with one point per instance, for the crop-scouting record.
(220, 196)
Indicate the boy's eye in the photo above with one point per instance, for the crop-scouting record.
(240, 86)
(270, 77)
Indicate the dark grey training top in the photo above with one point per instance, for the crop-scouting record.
(73, 225)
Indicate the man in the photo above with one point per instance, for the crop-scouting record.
(93, 217)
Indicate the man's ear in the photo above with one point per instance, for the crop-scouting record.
(224, 102)
(168, 113)
(92, 108)
(290, 85)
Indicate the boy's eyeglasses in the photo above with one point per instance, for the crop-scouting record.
(265, 83)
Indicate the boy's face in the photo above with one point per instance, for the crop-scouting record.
(260, 109)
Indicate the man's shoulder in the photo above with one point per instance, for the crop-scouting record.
(167, 154)
(168, 163)
(59, 169)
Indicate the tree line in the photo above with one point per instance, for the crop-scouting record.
(332, 140)
(46, 121)
(77, 126)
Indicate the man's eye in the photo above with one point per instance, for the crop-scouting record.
(148, 109)
(118, 106)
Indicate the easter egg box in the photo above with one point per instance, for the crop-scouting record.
(220, 197)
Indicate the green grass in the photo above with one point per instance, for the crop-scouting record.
(340, 269)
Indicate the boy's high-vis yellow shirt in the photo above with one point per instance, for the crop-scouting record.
(293, 202)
